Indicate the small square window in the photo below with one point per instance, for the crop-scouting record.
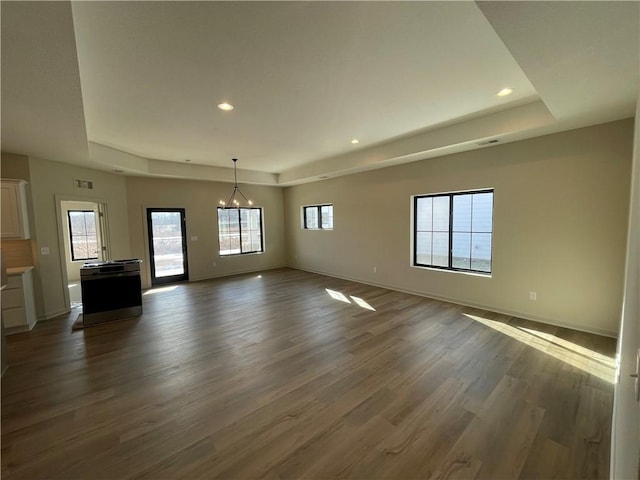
(317, 217)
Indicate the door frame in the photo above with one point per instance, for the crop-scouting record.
(153, 280)
(62, 227)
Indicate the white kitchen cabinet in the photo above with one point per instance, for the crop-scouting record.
(15, 220)
(18, 303)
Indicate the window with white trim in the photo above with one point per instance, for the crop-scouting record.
(453, 231)
(317, 217)
(240, 231)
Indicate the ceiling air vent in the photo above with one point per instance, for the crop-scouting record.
(88, 184)
(489, 142)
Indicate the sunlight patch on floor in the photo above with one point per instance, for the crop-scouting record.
(362, 303)
(160, 290)
(341, 297)
(575, 355)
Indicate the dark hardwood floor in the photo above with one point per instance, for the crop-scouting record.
(288, 375)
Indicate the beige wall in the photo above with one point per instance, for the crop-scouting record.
(15, 166)
(52, 182)
(560, 216)
(200, 200)
(561, 206)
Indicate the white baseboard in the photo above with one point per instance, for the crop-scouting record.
(49, 315)
(239, 272)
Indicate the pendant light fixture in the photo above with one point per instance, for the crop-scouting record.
(233, 201)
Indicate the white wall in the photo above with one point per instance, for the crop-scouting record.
(560, 214)
(625, 444)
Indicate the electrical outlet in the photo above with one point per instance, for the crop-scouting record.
(213, 264)
(44, 251)
(375, 269)
(533, 296)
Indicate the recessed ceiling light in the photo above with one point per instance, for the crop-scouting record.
(225, 106)
(355, 140)
(504, 92)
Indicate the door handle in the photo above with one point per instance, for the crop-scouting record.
(635, 377)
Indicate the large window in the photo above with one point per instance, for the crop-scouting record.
(240, 230)
(317, 217)
(453, 231)
(83, 235)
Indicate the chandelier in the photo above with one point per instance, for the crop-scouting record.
(233, 202)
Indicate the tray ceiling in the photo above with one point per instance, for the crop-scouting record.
(133, 86)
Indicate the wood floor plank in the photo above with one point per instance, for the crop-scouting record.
(547, 459)
(402, 453)
(285, 374)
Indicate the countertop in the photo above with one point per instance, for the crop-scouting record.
(18, 270)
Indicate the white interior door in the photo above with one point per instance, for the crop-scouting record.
(83, 234)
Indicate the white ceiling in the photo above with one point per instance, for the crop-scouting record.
(133, 86)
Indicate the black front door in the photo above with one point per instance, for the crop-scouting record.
(167, 245)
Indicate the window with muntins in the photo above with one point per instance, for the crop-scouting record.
(453, 231)
(240, 231)
(317, 217)
(83, 235)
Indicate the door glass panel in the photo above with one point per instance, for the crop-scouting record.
(168, 256)
(83, 234)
